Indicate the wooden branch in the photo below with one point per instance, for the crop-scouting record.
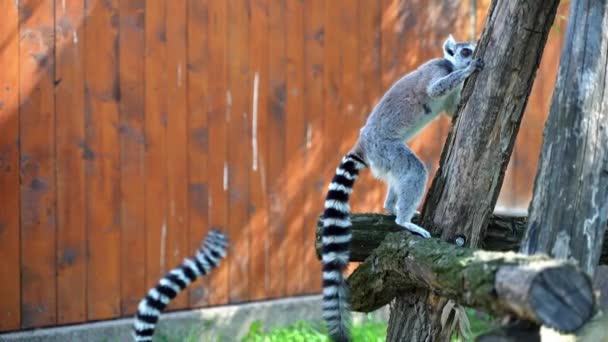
(504, 233)
(541, 290)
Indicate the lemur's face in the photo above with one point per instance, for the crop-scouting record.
(460, 54)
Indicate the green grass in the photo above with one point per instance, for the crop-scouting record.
(480, 323)
(369, 331)
(304, 331)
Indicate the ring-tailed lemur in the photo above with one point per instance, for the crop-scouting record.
(409, 105)
(207, 257)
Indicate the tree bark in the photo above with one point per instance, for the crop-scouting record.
(535, 288)
(472, 166)
(504, 233)
(569, 208)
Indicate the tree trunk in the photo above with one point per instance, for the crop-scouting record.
(472, 166)
(504, 233)
(569, 208)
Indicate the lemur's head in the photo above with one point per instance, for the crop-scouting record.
(460, 54)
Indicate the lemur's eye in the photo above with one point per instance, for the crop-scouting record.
(466, 52)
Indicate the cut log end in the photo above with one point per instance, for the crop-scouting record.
(562, 298)
(556, 295)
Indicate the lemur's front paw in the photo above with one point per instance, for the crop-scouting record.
(478, 64)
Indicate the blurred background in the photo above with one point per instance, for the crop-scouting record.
(129, 128)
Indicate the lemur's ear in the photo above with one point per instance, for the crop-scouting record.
(448, 45)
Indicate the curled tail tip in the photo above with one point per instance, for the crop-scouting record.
(217, 236)
(216, 240)
(341, 336)
(340, 331)
(139, 338)
(336, 312)
(145, 319)
(207, 257)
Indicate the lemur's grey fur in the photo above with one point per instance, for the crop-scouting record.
(410, 104)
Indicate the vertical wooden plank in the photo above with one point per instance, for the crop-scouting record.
(370, 35)
(102, 97)
(343, 72)
(71, 220)
(316, 162)
(389, 49)
(276, 150)
(132, 173)
(349, 89)
(217, 167)
(336, 130)
(239, 136)
(350, 84)
(37, 141)
(333, 131)
(295, 145)
(198, 142)
(10, 305)
(177, 140)
(259, 271)
(156, 141)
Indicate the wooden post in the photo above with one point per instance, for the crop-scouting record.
(479, 146)
(570, 198)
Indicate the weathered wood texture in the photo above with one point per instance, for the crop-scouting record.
(569, 209)
(10, 195)
(70, 166)
(593, 330)
(102, 96)
(36, 166)
(117, 153)
(504, 233)
(478, 148)
(539, 289)
(132, 153)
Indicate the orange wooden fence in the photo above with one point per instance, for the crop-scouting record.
(128, 128)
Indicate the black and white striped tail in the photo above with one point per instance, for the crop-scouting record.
(207, 257)
(335, 252)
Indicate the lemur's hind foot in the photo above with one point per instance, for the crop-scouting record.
(414, 228)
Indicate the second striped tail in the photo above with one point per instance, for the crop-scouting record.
(207, 257)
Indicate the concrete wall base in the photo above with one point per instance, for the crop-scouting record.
(225, 323)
